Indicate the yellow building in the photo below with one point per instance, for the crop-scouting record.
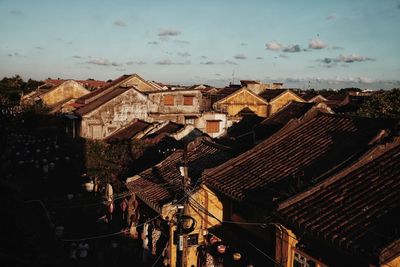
(264, 105)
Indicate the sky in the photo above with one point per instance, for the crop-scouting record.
(303, 43)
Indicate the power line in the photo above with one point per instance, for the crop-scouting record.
(202, 209)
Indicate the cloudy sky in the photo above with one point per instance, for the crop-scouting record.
(325, 43)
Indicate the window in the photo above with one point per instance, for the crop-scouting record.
(97, 131)
(212, 127)
(168, 100)
(188, 100)
(301, 259)
(189, 120)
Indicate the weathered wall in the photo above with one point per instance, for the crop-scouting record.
(200, 123)
(234, 104)
(115, 114)
(178, 107)
(68, 89)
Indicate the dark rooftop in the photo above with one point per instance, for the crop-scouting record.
(297, 156)
(162, 183)
(126, 133)
(358, 209)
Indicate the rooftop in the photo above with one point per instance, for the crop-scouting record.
(358, 209)
(297, 156)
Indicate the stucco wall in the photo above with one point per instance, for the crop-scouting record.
(234, 104)
(178, 106)
(115, 114)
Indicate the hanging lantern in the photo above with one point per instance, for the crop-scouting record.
(221, 249)
(213, 240)
(237, 256)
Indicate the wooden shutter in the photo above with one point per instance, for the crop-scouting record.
(188, 100)
(212, 126)
(168, 100)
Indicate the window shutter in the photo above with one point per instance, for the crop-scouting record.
(168, 100)
(212, 126)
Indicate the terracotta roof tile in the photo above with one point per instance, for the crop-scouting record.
(126, 133)
(101, 100)
(295, 157)
(358, 209)
(270, 94)
(163, 182)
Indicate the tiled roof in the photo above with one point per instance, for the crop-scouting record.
(270, 94)
(168, 128)
(162, 183)
(101, 100)
(293, 110)
(126, 133)
(97, 93)
(295, 157)
(358, 209)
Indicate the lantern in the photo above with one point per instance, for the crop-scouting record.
(221, 249)
(237, 256)
(213, 240)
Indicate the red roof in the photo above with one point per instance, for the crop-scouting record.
(162, 183)
(356, 210)
(295, 157)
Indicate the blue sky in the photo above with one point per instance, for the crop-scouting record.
(329, 43)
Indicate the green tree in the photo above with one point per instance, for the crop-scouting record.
(384, 104)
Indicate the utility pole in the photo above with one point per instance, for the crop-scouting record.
(181, 259)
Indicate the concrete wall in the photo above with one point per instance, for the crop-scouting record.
(115, 114)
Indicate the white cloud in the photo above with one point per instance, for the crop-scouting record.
(274, 46)
(352, 58)
(103, 62)
(316, 43)
(170, 62)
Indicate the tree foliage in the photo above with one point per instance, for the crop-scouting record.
(12, 88)
(385, 104)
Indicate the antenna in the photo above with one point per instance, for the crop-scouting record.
(233, 77)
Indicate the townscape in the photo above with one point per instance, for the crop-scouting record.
(133, 172)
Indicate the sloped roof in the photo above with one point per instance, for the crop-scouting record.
(271, 94)
(102, 100)
(295, 157)
(358, 209)
(293, 110)
(169, 127)
(162, 183)
(92, 95)
(126, 133)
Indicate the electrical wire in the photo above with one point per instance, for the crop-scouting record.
(202, 209)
